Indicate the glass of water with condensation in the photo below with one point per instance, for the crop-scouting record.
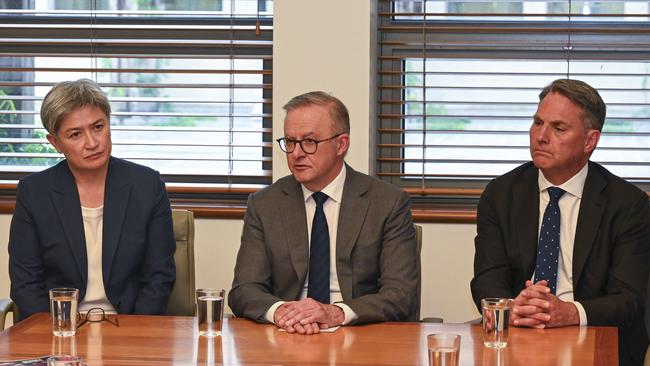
(63, 308)
(496, 320)
(209, 311)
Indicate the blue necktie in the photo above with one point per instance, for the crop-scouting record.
(548, 248)
(318, 287)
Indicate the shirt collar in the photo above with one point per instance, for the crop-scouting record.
(574, 186)
(334, 190)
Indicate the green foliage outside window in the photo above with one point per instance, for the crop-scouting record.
(435, 122)
(10, 118)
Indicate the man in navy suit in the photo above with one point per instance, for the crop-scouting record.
(600, 268)
(92, 222)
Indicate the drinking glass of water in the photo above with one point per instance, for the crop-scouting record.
(209, 311)
(444, 349)
(63, 307)
(65, 361)
(496, 320)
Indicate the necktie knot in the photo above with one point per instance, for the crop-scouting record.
(319, 198)
(555, 193)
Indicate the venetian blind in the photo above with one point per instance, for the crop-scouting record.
(459, 84)
(190, 83)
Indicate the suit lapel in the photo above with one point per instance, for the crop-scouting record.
(294, 220)
(592, 208)
(116, 199)
(66, 200)
(526, 218)
(352, 214)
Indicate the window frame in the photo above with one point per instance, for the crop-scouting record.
(449, 38)
(213, 196)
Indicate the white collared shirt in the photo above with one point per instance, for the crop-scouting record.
(569, 210)
(331, 208)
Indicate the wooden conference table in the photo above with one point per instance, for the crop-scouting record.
(162, 340)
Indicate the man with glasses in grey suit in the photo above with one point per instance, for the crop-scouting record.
(326, 245)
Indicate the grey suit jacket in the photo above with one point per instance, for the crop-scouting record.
(376, 254)
(611, 249)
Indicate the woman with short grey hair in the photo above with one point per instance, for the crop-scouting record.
(93, 222)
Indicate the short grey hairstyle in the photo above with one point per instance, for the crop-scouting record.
(67, 96)
(337, 109)
(585, 96)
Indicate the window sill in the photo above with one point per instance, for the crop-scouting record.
(420, 215)
(235, 211)
(234, 208)
(448, 216)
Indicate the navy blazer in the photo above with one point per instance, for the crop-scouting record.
(47, 245)
(611, 249)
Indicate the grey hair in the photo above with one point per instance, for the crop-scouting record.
(67, 96)
(585, 96)
(338, 111)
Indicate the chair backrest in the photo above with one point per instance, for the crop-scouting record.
(418, 238)
(6, 306)
(181, 300)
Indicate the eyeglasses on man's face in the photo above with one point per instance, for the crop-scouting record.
(96, 315)
(308, 145)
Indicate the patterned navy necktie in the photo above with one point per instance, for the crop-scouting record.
(548, 247)
(318, 287)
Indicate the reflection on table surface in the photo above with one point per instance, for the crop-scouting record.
(162, 340)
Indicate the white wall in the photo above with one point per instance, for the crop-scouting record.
(325, 45)
(317, 45)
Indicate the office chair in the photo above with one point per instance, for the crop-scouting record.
(6, 306)
(418, 238)
(181, 300)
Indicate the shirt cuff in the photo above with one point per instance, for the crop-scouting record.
(582, 313)
(270, 314)
(350, 315)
